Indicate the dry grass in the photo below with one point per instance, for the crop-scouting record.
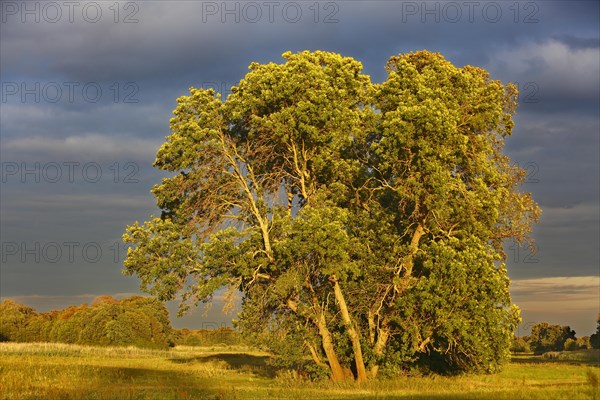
(60, 371)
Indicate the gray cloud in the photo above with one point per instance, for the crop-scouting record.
(85, 145)
(553, 75)
(578, 42)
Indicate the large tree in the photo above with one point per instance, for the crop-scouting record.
(362, 223)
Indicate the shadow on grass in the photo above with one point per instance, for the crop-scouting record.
(238, 361)
(118, 383)
(149, 377)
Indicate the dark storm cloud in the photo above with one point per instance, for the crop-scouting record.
(553, 76)
(560, 152)
(578, 43)
(550, 49)
(171, 48)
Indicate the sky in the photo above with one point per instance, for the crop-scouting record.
(88, 89)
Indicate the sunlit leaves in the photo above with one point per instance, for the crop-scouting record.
(309, 177)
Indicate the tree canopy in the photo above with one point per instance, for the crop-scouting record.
(545, 337)
(362, 223)
(138, 321)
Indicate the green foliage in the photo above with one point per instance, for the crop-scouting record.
(570, 345)
(595, 338)
(13, 318)
(520, 345)
(207, 337)
(447, 308)
(137, 321)
(363, 223)
(545, 337)
(584, 343)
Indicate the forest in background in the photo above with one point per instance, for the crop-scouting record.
(134, 321)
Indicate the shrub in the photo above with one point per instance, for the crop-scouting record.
(584, 343)
(520, 345)
(571, 345)
(551, 355)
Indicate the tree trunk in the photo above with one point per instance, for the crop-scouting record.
(383, 334)
(414, 247)
(315, 356)
(337, 372)
(371, 321)
(361, 372)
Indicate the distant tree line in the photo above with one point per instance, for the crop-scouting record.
(137, 321)
(207, 337)
(545, 337)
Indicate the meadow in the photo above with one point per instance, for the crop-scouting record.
(62, 371)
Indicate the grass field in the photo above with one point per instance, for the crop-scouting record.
(59, 371)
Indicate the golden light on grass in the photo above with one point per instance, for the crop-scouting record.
(62, 371)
